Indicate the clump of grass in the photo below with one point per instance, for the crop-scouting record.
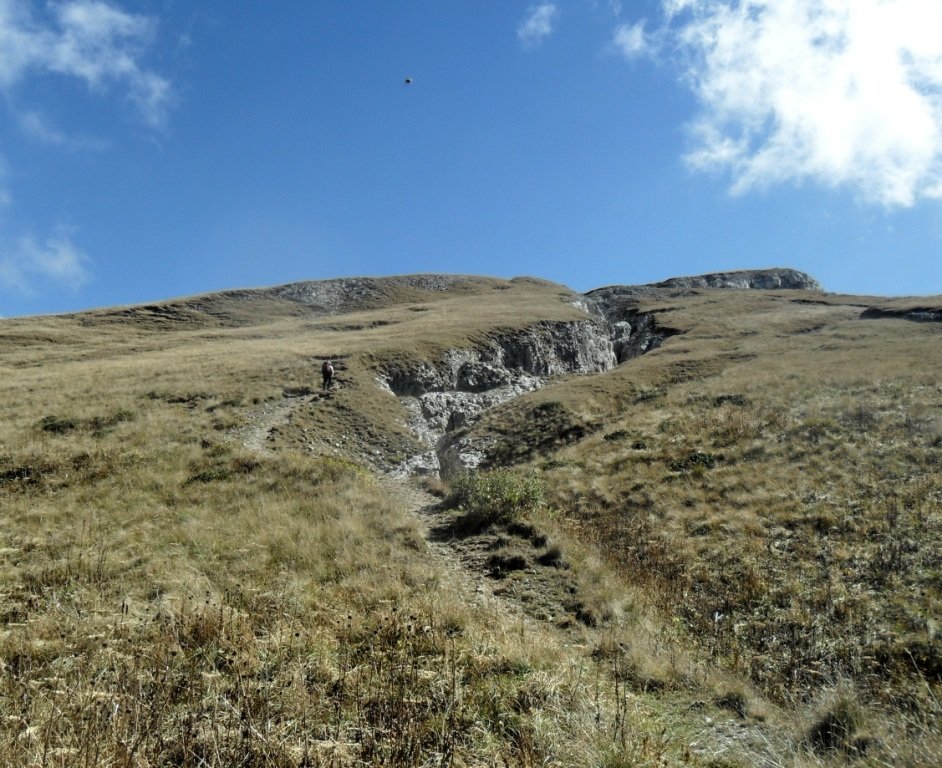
(616, 435)
(736, 400)
(494, 497)
(434, 486)
(502, 562)
(552, 557)
(694, 460)
(97, 425)
(935, 433)
(57, 425)
(734, 698)
(101, 424)
(837, 726)
(649, 394)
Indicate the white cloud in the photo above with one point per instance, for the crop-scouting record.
(89, 40)
(35, 125)
(538, 24)
(55, 260)
(630, 40)
(93, 42)
(841, 92)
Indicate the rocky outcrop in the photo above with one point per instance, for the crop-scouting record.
(747, 279)
(744, 279)
(445, 398)
(452, 393)
(632, 331)
(544, 349)
(914, 314)
(637, 333)
(351, 294)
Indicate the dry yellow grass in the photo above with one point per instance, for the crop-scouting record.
(172, 597)
(771, 481)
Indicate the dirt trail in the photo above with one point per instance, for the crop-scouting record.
(256, 432)
(473, 584)
(465, 570)
(260, 424)
(716, 737)
(256, 435)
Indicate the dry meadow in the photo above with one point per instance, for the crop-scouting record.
(739, 546)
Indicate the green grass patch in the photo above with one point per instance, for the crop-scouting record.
(494, 497)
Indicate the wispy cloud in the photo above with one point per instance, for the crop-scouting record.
(90, 40)
(840, 92)
(28, 264)
(538, 24)
(34, 125)
(630, 40)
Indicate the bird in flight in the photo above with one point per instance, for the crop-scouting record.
(407, 81)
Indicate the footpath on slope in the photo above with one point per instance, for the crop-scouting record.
(514, 568)
(464, 563)
(256, 435)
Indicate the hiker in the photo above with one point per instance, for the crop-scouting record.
(327, 371)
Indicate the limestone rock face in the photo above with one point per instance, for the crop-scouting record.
(756, 279)
(632, 331)
(553, 348)
(479, 377)
(445, 398)
(636, 335)
(544, 349)
(451, 395)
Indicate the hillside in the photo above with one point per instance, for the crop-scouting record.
(697, 522)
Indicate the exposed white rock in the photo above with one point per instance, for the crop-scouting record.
(446, 398)
(453, 394)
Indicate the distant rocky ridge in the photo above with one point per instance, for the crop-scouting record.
(350, 294)
(355, 293)
(755, 279)
(773, 279)
(346, 294)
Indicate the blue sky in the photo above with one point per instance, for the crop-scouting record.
(151, 149)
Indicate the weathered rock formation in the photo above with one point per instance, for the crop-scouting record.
(447, 397)
(914, 314)
(452, 393)
(348, 294)
(757, 279)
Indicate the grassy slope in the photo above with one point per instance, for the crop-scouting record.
(771, 481)
(170, 598)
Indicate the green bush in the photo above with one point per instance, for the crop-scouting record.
(494, 497)
(693, 461)
(836, 726)
(58, 425)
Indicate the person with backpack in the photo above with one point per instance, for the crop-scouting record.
(327, 372)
